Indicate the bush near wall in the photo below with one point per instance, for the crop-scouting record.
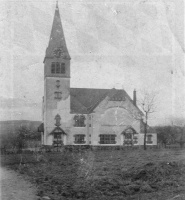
(19, 139)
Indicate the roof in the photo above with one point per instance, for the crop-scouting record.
(128, 129)
(41, 128)
(57, 38)
(58, 130)
(85, 100)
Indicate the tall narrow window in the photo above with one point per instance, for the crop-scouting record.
(63, 70)
(53, 68)
(128, 141)
(79, 121)
(57, 67)
(58, 83)
(135, 140)
(57, 139)
(149, 139)
(82, 120)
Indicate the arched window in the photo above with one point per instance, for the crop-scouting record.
(57, 118)
(79, 121)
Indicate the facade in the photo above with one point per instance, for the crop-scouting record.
(83, 116)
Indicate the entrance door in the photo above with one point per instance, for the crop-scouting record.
(57, 140)
(59, 137)
(128, 137)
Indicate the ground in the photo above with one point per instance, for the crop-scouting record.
(126, 174)
(15, 187)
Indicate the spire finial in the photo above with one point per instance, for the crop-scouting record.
(57, 4)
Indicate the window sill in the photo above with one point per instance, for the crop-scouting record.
(79, 126)
(57, 142)
(79, 143)
(107, 143)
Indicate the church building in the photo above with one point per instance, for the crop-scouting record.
(85, 116)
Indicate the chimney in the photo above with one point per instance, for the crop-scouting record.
(134, 97)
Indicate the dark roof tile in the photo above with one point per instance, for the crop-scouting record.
(85, 100)
(41, 127)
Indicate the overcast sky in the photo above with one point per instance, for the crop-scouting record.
(123, 44)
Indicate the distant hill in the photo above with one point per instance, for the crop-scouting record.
(12, 125)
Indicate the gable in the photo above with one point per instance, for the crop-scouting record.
(57, 130)
(129, 129)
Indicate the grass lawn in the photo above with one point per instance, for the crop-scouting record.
(117, 174)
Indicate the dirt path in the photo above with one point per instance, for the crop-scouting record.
(14, 187)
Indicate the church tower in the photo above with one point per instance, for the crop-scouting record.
(56, 83)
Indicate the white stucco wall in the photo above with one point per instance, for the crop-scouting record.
(141, 139)
(54, 106)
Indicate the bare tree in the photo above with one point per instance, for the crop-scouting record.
(147, 104)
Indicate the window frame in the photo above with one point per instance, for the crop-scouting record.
(53, 69)
(149, 139)
(135, 140)
(58, 68)
(79, 121)
(58, 95)
(107, 139)
(79, 139)
(62, 68)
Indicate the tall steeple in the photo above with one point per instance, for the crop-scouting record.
(56, 81)
(57, 43)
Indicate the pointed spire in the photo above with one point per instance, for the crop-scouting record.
(57, 39)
